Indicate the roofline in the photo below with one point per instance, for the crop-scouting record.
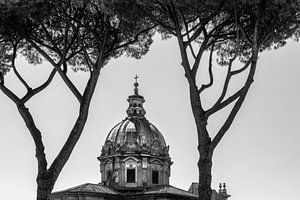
(134, 155)
(159, 186)
(66, 191)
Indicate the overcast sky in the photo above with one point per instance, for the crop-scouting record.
(258, 158)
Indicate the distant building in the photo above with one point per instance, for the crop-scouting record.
(220, 195)
(134, 164)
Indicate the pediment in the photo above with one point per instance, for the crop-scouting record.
(130, 158)
(156, 161)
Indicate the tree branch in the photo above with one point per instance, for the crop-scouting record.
(226, 83)
(205, 22)
(101, 57)
(211, 77)
(149, 14)
(193, 28)
(65, 78)
(88, 60)
(245, 35)
(51, 40)
(198, 58)
(77, 129)
(37, 137)
(232, 73)
(206, 44)
(15, 69)
(73, 54)
(243, 94)
(187, 35)
(136, 38)
(40, 88)
(10, 94)
(225, 103)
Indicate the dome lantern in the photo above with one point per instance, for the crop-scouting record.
(136, 101)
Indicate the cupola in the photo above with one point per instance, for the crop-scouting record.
(135, 155)
(136, 109)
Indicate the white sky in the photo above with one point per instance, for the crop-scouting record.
(258, 158)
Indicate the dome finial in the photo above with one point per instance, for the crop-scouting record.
(136, 84)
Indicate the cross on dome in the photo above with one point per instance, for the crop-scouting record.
(136, 78)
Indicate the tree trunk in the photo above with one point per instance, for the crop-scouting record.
(43, 193)
(46, 178)
(205, 167)
(44, 185)
(205, 162)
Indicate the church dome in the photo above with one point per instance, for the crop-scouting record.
(135, 154)
(141, 132)
(135, 134)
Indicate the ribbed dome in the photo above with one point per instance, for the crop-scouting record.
(135, 134)
(136, 129)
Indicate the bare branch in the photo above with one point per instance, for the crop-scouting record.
(226, 83)
(57, 66)
(15, 69)
(244, 92)
(40, 88)
(211, 77)
(77, 129)
(232, 73)
(198, 58)
(10, 94)
(101, 57)
(88, 60)
(65, 78)
(65, 50)
(225, 103)
(188, 35)
(204, 45)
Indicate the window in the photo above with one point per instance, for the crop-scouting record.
(143, 140)
(154, 177)
(130, 175)
(108, 175)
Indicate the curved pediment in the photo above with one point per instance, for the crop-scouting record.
(130, 158)
(155, 161)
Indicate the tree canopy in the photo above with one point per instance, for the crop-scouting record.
(85, 35)
(69, 34)
(230, 30)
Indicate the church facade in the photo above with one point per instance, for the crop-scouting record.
(134, 164)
